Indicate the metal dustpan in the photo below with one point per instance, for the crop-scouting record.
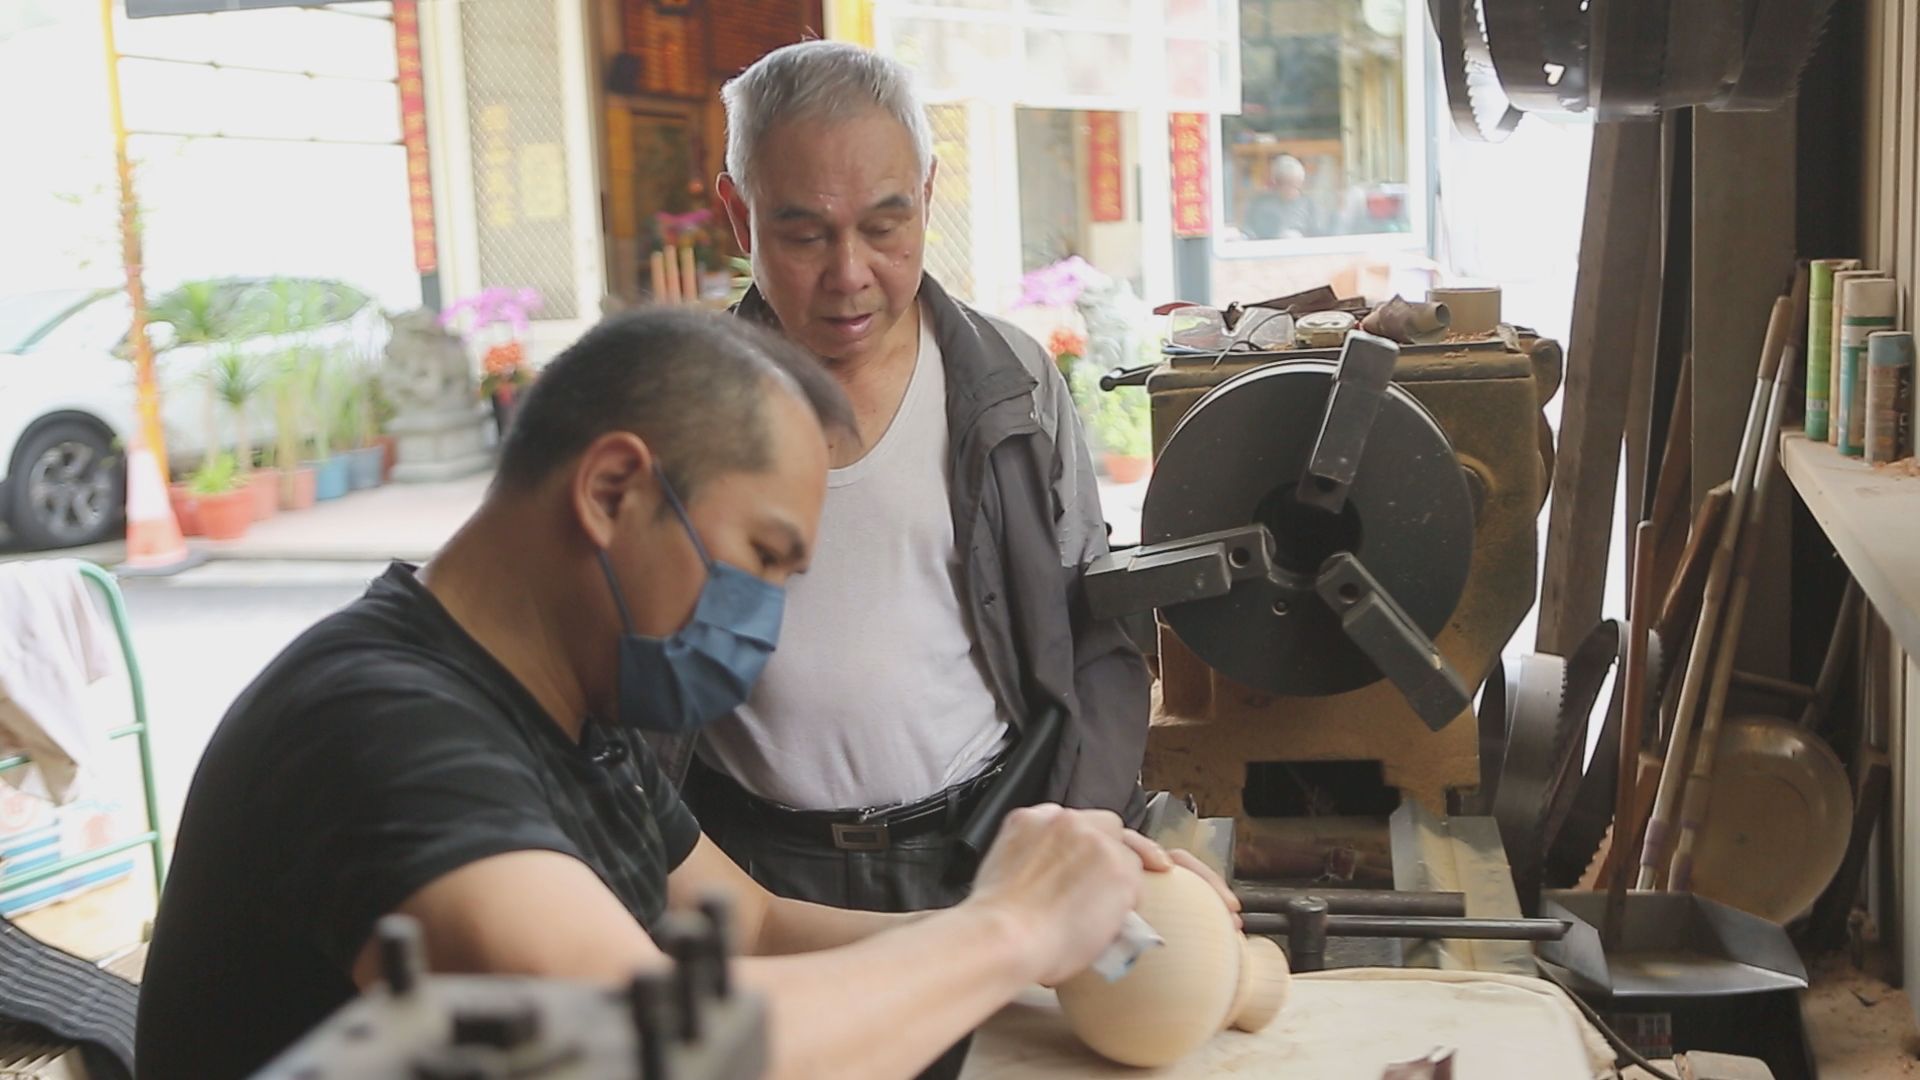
(1671, 945)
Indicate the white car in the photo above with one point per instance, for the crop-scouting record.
(67, 400)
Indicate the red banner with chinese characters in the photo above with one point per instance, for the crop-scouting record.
(413, 132)
(1192, 188)
(1106, 198)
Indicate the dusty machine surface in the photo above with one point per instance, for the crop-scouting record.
(690, 1024)
(1336, 560)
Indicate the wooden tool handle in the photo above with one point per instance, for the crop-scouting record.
(1633, 713)
(1779, 330)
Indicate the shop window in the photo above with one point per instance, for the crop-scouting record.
(1325, 149)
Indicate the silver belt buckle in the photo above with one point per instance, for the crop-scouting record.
(858, 836)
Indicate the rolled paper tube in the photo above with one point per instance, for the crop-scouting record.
(689, 277)
(672, 280)
(1869, 304)
(1889, 434)
(1819, 330)
(1835, 323)
(657, 276)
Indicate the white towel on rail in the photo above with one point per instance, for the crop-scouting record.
(53, 644)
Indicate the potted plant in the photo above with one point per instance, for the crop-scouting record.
(381, 409)
(491, 322)
(319, 415)
(1122, 424)
(197, 314)
(236, 380)
(297, 481)
(225, 496)
(353, 430)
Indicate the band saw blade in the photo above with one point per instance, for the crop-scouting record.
(1551, 715)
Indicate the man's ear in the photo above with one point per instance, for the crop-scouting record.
(612, 476)
(926, 192)
(735, 202)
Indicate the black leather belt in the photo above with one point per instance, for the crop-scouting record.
(874, 829)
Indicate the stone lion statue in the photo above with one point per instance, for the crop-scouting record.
(427, 369)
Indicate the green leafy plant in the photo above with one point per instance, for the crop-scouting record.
(284, 384)
(220, 474)
(1121, 419)
(347, 421)
(236, 380)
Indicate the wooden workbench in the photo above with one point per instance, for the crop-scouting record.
(1337, 1025)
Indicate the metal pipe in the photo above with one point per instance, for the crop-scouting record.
(1274, 898)
(1414, 926)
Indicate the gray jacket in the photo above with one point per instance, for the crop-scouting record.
(1026, 516)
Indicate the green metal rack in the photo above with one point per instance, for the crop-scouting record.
(138, 730)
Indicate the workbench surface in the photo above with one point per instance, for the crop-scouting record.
(1337, 1025)
(1872, 516)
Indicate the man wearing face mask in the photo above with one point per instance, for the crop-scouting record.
(462, 745)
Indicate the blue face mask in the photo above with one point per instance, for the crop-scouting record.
(706, 669)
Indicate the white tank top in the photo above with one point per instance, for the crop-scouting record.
(875, 696)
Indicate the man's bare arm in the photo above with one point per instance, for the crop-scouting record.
(768, 925)
(1050, 896)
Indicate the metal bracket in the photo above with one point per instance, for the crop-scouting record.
(1366, 367)
(1392, 641)
(1193, 568)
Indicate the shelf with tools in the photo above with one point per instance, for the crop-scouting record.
(1872, 516)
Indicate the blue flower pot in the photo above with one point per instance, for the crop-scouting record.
(330, 477)
(363, 467)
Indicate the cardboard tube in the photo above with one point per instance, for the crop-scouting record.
(1889, 402)
(657, 276)
(1475, 311)
(1819, 351)
(689, 277)
(1869, 304)
(1834, 317)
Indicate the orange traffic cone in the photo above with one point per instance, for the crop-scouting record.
(154, 543)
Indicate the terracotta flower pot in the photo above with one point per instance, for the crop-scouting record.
(296, 488)
(186, 509)
(1125, 468)
(227, 516)
(390, 451)
(265, 485)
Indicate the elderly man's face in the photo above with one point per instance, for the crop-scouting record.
(836, 225)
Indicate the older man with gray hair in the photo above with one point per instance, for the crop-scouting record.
(943, 612)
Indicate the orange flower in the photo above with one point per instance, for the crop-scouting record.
(1065, 342)
(503, 359)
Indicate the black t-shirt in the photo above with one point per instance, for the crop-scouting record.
(382, 750)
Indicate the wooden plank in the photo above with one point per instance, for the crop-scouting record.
(1609, 306)
(1872, 517)
(1875, 230)
(1907, 212)
(1744, 166)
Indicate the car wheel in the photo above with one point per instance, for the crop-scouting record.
(66, 488)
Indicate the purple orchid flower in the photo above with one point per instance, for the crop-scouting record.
(1059, 284)
(492, 307)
